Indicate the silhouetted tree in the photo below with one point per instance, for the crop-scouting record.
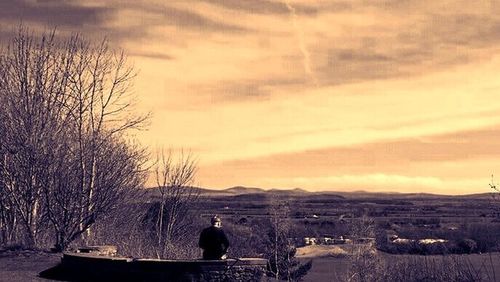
(365, 265)
(65, 108)
(281, 249)
(177, 197)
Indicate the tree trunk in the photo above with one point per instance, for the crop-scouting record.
(91, 192)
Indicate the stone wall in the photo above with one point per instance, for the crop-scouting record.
(94, 267)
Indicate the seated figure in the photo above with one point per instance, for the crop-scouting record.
(213, 241)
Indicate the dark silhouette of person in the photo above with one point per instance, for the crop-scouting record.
(213, 240)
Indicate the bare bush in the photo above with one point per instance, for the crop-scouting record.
(365, 264)
(281, 249)
(171, 215)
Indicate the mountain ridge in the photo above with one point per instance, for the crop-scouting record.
(241, 190)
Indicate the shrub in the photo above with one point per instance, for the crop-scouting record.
(467, 246)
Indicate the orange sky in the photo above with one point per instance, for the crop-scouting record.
(379, 95)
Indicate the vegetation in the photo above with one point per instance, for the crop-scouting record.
(65, 161)
(170, 218)
(364, 263)
(280, 250)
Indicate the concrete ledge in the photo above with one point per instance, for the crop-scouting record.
(102, 268)
(108, 250)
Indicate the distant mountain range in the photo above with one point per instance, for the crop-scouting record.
(241, 190)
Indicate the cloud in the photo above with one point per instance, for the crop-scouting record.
(86, 19)
(457, 163)
(302, 44)
(151, 55)
(340, 50)
(429, 37)
(191, 20)
(119, 20)
(458, 146)
(245, 89)
(262, 7)
(60, 13)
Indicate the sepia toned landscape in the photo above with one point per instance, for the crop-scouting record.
(249, 140)
(405, 236)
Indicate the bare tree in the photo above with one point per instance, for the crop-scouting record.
(32, 81)
(66, 105)
(100, 81)
(177, 198)
(8, 214)
(281, 250)
(365, 265)
(119, 174)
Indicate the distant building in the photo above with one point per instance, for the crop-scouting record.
(431, 241)
(310, 241)
(403, 241)
(325, 240)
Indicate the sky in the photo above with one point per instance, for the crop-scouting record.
(337, 95)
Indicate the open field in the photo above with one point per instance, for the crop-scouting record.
(332, 268)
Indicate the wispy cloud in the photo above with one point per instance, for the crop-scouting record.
(56, 13)
(263, 7)
(151, 55)
(301, 42)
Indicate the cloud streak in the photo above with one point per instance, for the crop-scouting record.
(262, 7)
(60, 13)
(302, 44)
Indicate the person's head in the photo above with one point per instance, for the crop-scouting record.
(216, 221)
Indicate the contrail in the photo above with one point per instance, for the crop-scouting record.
(302, 44)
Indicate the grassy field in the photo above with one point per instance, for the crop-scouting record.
(336, 269)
